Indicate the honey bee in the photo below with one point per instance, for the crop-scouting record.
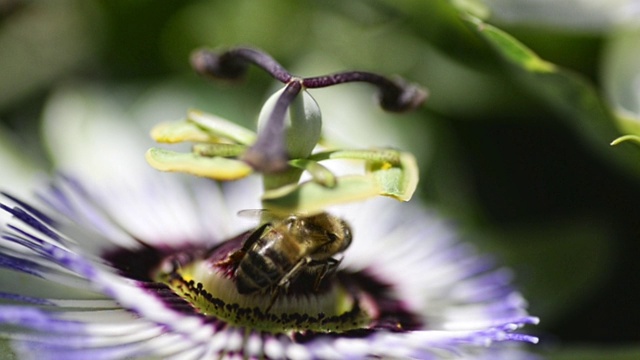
(277, 252)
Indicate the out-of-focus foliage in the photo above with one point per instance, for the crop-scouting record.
(513, 143)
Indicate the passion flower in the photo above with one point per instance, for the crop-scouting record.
(407, 287)
(119, 261)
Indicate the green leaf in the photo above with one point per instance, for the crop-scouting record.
(634, 138)
(628, 122)
(440, 23)
(511, 49)
(571, 96)
(217, 168)
(312, 198)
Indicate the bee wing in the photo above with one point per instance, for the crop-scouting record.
(252, 213)
(263, 215)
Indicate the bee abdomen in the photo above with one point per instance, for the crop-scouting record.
(257, 271)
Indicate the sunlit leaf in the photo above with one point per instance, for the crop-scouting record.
(571, 96)
(634, 138)
(513, 49)
(568, 95)
(439, 22)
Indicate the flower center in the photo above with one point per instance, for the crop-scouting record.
(210, 285)
(192, 281)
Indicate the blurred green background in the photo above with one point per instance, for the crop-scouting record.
(518, 158)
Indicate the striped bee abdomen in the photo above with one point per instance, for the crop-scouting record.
(261, 269)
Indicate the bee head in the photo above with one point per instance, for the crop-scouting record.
(341, 235)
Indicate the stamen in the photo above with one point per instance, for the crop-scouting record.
(334, 311)
(343, 303)
(270, 153)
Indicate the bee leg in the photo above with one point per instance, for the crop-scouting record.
(255, 236)
(319, 277)
(284, 282)
(274, 297)
(295, 270)
(328, 266)
(234, 257)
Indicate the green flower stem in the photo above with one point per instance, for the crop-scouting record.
(291, 176)
(270, 154)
